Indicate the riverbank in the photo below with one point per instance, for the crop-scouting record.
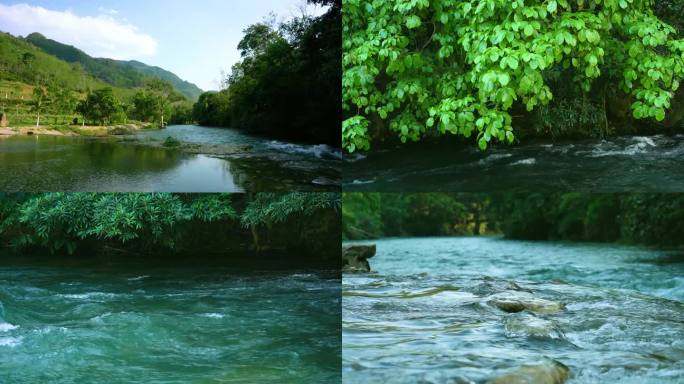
(76, 130)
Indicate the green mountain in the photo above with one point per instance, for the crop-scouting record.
(123, 74)
(25, 63)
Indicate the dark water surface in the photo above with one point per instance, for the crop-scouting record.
(622, 164)
(425, 315)
(48, 163)
(105, 324)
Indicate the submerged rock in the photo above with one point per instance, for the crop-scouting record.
(490, 286)
(528, 325)
(514, 301)
(550, 372)
(355, 257)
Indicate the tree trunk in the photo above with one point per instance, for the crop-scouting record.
(255, 238)
(476, 229)
(38, 120)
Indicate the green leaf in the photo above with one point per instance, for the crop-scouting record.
(482, 143)
(552, 6)
(528, 30)
(513, 63)
(413, 22)
(504, 79)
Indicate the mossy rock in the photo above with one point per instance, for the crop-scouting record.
(171, 142)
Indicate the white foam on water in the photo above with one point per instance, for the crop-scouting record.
(360, 182)
(318, 150)
(4, 327)
(213, 315)
(494, 157)
(10, 341)
(530, 161)
(645, 140)
(138, 278)
(89, 295)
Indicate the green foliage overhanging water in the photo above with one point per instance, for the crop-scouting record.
(476, 69)
(303, 224)
(642, 218)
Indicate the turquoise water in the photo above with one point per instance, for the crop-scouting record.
(211, 135)
(105, 324)
(425, 314)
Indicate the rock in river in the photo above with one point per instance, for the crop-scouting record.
(549, 372)
(355, 257)
(514, 301)
(527, 325)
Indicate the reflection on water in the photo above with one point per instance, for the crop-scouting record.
(624, 164)
(46, 163)
(432, 313)
(101, 324)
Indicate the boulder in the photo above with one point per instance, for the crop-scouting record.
(549, 372)
(490, 286)
(355, 257)
(524, 324)
(515, 301)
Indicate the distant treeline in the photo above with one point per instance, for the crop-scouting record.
(288, 83)
(306, 225)
(651, 219)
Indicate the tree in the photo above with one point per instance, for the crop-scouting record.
(419, 68)
(145, 106)
(39, 102)
(100, 105)
(27, 59)
(287, 83)
(160, 92)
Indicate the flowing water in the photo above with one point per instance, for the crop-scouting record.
(104, 324)
(48, 163)
(621, 164)
(426, 313)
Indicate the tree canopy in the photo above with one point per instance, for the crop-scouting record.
(67, 223)
(652, 219)
(417, 68)
(287, 83)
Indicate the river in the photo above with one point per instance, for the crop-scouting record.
(49, 163)
(426, 315)
(73, 322)
(621, 164)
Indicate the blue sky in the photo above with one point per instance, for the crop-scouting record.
(194, 39)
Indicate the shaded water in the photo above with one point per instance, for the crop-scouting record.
(104, 324)
(640, 163)
(48, 163)
(426, 315)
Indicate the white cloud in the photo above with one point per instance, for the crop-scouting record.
(107, 10)
(99, 36)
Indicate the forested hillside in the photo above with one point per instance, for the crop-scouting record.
(38, 86)
(117, 73)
